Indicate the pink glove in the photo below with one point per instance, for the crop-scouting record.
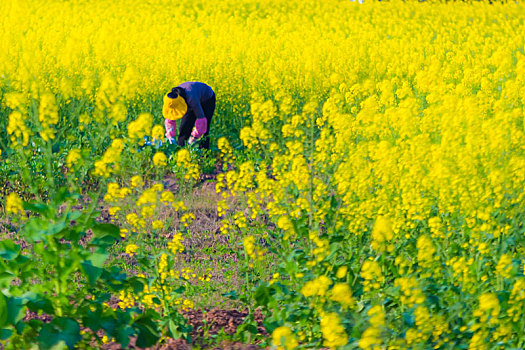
(171, 128)
(201, 126)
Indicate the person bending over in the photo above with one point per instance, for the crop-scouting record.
(193, 103)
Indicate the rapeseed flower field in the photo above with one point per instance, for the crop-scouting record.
(367, 165)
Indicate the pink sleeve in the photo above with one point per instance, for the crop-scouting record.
(201, 126)
(171, 128)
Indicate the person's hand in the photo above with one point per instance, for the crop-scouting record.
(192, 140)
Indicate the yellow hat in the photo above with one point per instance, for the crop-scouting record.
(174, 108)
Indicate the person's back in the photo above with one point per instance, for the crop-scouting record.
(196, 89)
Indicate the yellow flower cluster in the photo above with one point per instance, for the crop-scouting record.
(115, 193)
(48, 116)
(382, 234)
(14, 204)
(462, 271)
(163, 288)
(489, 307)
(140, 127)
(226, 150)
(373, 277)
(426, 255)
(18, 130)
(136, 181)
(191, 169)
(316, 287)
(504, 266)
(253, 252)
(410, 292)
(283, 338)
(176, 246)
(110, 162)
(157, 132)
(371, 337)
(73, 157)
(126, 300)
(187, 219)
(342, 294)
(423, 329)
(222, 207)
(131, 249)
(517, 300)
(334, 334)
(160, 159)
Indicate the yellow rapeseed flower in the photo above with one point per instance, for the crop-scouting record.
(14, 204)
(160, 159)
(283, 338)
(131, 249)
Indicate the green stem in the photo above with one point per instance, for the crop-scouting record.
(3, 146)
(92, 206)
(58, 269)
(26, 176)
(49, 169)
(58, 292)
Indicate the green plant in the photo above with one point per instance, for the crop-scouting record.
(62, 274)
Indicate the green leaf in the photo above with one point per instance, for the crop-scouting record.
(233, 295)
(61, 196)
(102, 230)
(147, 332)
(93, 266)
(409, 318)
(179, 289)
(5, 334)
(59, 330)
(262, 295)
(59, 346)
(247, 327)
(21, 260)
(74, 215)
(55, 228)
(8, 249)
(14, 309)
(40, 208)
(123, 335)
(270, 325)
(6, 278)
(137, 283)
(33, 324)
(93, 273)
(37, 228)
(105, 235)
(3, 310)
(174, 330)
(39, 303)
(98, 259)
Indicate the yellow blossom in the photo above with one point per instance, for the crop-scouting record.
(283, 338)
(73, 157)
(160, 159)
(334, 334)
(342, 293)
(131, 249)
(14, 204)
